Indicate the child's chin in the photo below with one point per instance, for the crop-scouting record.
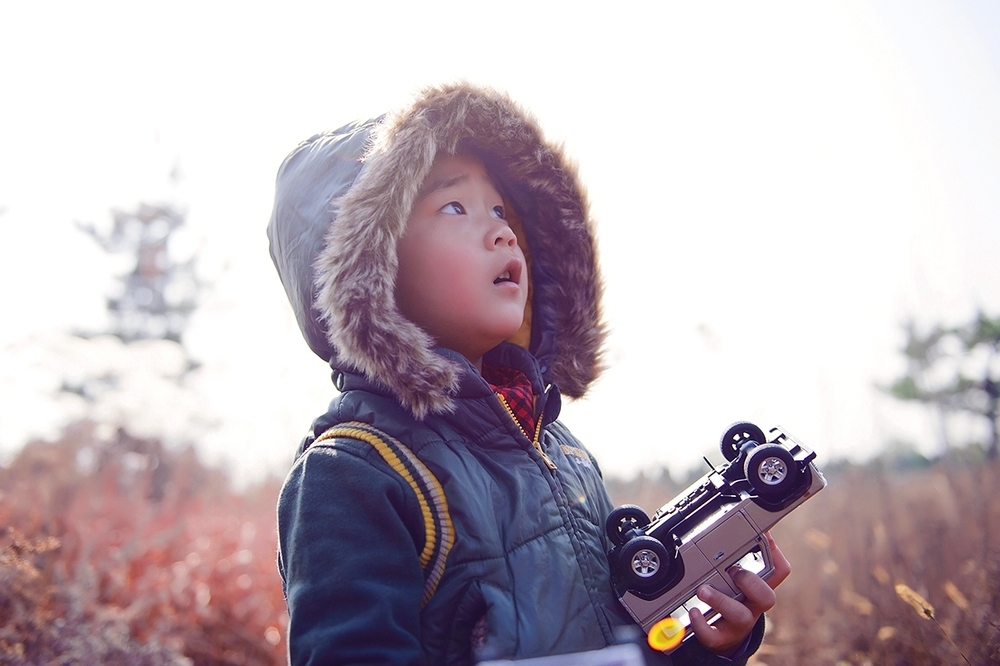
(504, 334)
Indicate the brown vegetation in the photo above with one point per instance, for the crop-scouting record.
(124, 552)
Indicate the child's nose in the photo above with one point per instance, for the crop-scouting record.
(504, 235)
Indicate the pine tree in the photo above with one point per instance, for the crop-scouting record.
(955, 369)
(157, 295)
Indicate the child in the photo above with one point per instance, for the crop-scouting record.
(443, 262)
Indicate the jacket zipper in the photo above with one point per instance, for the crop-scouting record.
(538, 431)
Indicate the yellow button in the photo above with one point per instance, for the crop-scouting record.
(666, 634)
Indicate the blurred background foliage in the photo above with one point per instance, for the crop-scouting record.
(955, 369)
(117, 549)
(158, 292)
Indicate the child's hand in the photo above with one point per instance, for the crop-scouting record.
(738, 618)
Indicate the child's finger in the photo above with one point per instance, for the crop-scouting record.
(709, 636)
(759, 595)
(732, 610)
(706, 634)
(782, 567)
(736, 620)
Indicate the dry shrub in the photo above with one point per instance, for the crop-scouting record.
(909, 544)
(934, 532)
(125, 552)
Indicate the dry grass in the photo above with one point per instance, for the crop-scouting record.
(890, 569)
(122, 552)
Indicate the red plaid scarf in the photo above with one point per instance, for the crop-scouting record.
(515, 387)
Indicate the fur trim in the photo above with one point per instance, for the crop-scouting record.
(355, 273)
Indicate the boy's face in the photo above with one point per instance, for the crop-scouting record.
(462, 275)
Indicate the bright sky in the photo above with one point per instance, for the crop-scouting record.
(777, 188)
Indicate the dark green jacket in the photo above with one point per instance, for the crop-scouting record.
(526, 549)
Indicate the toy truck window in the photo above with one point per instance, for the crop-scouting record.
(752, 561)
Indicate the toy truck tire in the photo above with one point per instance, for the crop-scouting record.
(772, 471)
(645, 564)
(736, 436)
(622, 520)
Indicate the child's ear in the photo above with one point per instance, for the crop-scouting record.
(522, 337)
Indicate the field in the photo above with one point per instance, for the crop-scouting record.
(118, 551)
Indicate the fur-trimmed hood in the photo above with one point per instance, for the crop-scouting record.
(341, 205)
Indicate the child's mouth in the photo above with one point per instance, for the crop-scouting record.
(511, 274)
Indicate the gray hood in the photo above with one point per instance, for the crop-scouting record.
(342, 201)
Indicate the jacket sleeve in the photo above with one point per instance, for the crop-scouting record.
(349, 561)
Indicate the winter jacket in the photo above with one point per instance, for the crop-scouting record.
(419, 523)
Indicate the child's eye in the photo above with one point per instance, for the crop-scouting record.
(499, 212)
(453, 208)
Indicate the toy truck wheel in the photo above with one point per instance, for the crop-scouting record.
(623, 519)
(645, 564)
(739, 434)
(772, 472)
